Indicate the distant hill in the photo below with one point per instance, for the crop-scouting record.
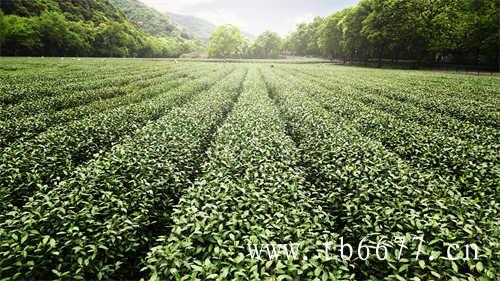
(156, 23)
(199, 27)
(150, 20)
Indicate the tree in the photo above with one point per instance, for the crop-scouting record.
(54, 34)
(113, 41)
(331, 36)
(313, 28)
(267, 45)
(30, 8)
(225, 42)
(420, 30)
(356, 45)
(247, 48)
(2, 31)
(480, 35)
(20, 37)
(83, 40)
(376, 28)
(297, 41)
(304, 41)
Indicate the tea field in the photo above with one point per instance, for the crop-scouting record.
(123, 169)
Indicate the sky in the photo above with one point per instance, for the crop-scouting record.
(254, 16)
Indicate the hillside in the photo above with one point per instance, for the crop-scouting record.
(84, 28)
(167, 24)
(96, 11)
(150, 20)
(200, 28)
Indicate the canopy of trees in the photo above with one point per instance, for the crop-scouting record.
(227, 42)
(460, 31)
(267, 45)
(304, 41)
(79, 28)
(96, 11)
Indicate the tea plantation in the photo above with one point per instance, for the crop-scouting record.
(123, 169)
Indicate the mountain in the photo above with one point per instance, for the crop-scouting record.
(155, 23)
(198, 27)
(201, 28)
(150, 20)
(88, 28)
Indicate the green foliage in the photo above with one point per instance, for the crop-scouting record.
(149, 20)
(460, 31)
(225, 42)
(103, 242)
(267, 45)
(353, 42)
(297, 41)
(2, 30)
(29, 8)
(112, 40)
(20, 36)
(305, 40)
(55, 35)
(330, 36)
(480, 21)
(244, 186)
(395, 171)
(26, 119)
(166, 170)
(83, 28)
(84, 137)
(96, 11)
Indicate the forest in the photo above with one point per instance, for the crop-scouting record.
(460, 31)
(440, 31)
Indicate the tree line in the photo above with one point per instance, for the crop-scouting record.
(437, 31)
(228, 42)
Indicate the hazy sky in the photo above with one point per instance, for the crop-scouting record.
(254, 16)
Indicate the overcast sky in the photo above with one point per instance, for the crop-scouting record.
(254, 16)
